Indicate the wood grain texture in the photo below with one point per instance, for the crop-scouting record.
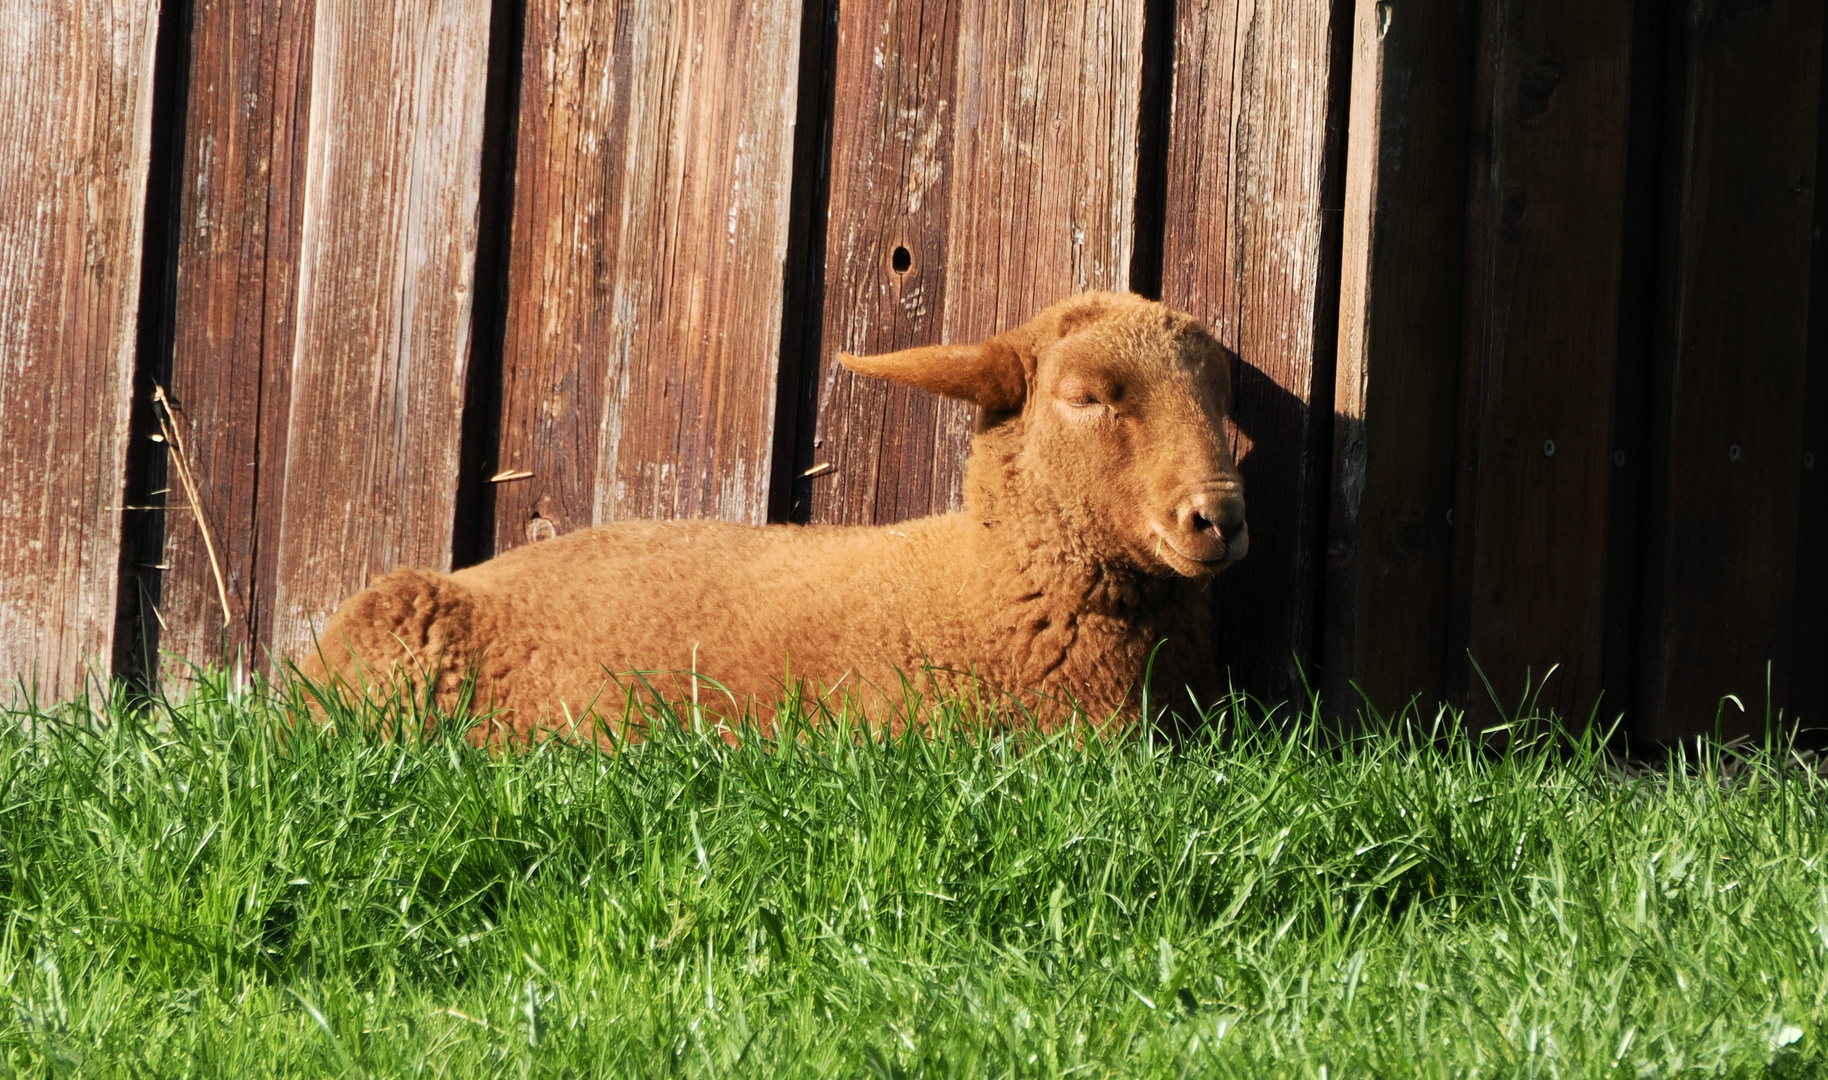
(1389, 544)
(1544, 243)
(240, 212)
(996, 146)
(655, 158)
(75, 129)
(1731, 357)
(386, 265)
(1809, 663)
(1255, 154)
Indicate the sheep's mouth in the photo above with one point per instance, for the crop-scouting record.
(1186, 565)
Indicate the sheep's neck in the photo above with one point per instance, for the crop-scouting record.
(1078, 616)
(1025, 530)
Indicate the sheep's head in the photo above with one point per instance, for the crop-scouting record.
(1119, 403)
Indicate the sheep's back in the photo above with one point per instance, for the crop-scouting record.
(733, 613)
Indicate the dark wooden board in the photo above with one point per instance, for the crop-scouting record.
(1809, 664)
(997, 146)
(655, 159)
(1733, 322)
(385, 277)
(239, 214)
(1255, 166)
(1545, 224)
(76, 94)
(1389, 544)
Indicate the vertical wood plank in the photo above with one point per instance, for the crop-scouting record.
(1734, 335)
(75, 130)
(1254, 169)
(1545, 223)
(994, 146)
(240, 213)
(890, 187)
(655, 159)
(386, 265)
(1809, 665)
(1389, 546)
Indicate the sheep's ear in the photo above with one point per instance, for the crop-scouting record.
(992, 374)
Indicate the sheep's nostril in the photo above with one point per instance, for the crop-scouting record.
(1209, 525)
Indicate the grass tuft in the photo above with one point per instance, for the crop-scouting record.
(213, 887)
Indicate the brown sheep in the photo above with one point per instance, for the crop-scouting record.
(1100, 498)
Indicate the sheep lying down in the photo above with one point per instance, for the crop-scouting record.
(1100, 499)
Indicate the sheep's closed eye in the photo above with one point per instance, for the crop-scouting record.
(1082, 395)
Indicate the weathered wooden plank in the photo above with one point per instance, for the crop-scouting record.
(890, 191)
(1254, 165)
(653, 185)
(1389, 544)
(75, 131)
(386, 265)
(1544, 248)
(240, 211)
(1809, 665)
(1731, 357)
(983, 165)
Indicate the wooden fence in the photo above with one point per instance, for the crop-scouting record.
(1530, 299)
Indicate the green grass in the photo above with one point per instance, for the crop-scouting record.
(204, 889)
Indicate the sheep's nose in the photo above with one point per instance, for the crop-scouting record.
(1211, 525)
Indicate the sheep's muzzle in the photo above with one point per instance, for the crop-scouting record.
(1207, 531)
